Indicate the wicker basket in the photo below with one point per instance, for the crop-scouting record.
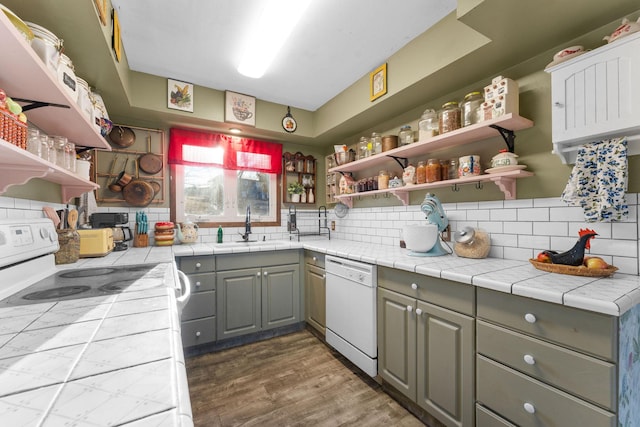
(580, 270)
(13, 130)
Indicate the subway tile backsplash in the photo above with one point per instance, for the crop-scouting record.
(519, 229)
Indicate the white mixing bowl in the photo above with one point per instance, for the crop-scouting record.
(420, 238)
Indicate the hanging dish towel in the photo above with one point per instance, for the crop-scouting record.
(598, 181)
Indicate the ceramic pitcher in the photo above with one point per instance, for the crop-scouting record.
(188, 232)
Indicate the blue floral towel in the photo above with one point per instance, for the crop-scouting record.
(598, 181)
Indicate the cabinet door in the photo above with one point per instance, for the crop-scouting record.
(315, 298)
(238, 302)
(397, 341)
(445, 364)
(280, 296)
(596, 95)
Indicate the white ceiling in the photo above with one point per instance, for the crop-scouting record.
(335, 43)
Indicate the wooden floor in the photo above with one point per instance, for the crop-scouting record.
(291, 380)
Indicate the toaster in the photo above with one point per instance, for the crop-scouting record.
(95, 242)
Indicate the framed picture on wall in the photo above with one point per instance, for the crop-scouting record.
(378, 82)
(116, 40)
(179, 95)
(101, 6)
(239, 108)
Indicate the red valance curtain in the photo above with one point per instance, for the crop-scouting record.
(197, 148)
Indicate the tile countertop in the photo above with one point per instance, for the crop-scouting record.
(613, 295)
(109, 360)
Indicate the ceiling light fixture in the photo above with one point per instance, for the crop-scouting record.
(278, 19)
(235, 130)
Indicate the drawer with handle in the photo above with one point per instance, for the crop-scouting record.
(200, 331)
(531, 403)
(589, 332)
(198, 264)
(579, 374)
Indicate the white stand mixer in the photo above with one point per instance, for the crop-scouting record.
(432, 208)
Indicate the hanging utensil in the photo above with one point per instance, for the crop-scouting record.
(72, 219)
(150, 163)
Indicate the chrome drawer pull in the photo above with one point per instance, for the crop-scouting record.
(529, 317)
(529, 408)
(198, 284)
(529, 360)
(409, 308)
(414, 286)
(419, 311)
(198, 265)
(198, 333)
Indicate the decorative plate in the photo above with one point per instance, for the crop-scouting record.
(288, 122)
(580, 270)
(506, 168)
(341, 210)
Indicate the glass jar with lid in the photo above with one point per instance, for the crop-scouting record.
(444, 170)
(59, 143)
(70, 156)
(471, 108)
(433, 170)
(383, 180)
(33, 141)
(406, 135)
(453, 169)
(376, 141)
(421, 173)
(363, 147)
(428, 124)
(449, 117)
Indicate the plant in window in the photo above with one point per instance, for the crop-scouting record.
(295, 188)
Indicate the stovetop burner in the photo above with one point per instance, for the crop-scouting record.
(91, 282)
(88, 272)
(56, 293)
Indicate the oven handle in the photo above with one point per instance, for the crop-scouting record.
(185, 285)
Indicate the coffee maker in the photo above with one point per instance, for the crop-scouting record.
(114, 220)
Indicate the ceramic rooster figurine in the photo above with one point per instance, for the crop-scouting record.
(575, 255)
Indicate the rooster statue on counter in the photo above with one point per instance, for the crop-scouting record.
(575, 255)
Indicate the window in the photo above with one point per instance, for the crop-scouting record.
(215, 177)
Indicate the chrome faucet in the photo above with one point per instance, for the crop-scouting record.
(247, 225)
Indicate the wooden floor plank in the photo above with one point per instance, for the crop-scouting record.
(291, 380)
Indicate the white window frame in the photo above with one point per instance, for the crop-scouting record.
(233, 217)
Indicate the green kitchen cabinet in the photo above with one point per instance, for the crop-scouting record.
(198, 320)
(426, 350)
(315, 299)
(262, 297)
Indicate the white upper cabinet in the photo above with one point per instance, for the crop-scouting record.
(596, 96)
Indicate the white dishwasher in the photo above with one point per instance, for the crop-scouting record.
(351, 311)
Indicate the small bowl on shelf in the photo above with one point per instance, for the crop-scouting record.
(344, 157)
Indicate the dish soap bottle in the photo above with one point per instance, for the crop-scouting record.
(219, 234)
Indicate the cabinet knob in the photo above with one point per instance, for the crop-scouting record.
(557, 104)
(314, 259)
(265, 274)
(414, 286)
(419, 311)
(324, 277)
(198, 333)
(258, 274)
(409, 308)
(529, 408)
(198, 284)
(530, 317)
(529, 360)
(198, 265)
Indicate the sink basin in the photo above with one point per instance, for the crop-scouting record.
(253, 244)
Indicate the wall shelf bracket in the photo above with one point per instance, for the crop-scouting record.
(507, 186)
(402, 161)
(508, 135)
(31, 104)
(403, 196)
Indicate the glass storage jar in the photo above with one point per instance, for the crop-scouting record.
(453, 169)
(376, 141)
(70, 156)
(383, 180)
(363, 147)
(449, 118)
(444, 170)
(428, 125)
(59, 143)
(433, 170)
(406, 135)
(421, 173)
(33, 142)
(471, 108)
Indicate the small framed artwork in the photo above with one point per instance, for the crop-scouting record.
(239, 108)
(378, 82)
(116, 40)
(101, 5)
(179, 95)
